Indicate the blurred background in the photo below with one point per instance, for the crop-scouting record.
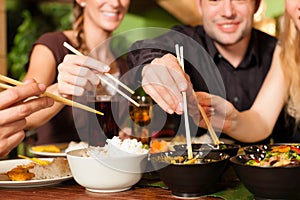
(23, 21)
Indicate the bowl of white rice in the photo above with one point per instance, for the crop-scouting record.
(113, 168)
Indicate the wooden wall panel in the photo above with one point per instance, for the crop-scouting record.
(185, 11)
(2, 37)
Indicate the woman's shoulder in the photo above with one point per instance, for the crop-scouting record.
(53, 37)
(54, 42)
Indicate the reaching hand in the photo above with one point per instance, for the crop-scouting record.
(14, 108)
(164, 81)
(222, 111)
(79, 73)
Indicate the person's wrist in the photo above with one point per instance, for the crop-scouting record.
(232, 121)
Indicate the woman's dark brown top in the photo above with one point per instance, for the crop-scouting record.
(61, 128)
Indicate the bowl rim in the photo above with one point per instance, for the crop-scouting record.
(234, 158)
(248, 150)
(226, 158)
(234, 145)
(127, 155)
(270, 145)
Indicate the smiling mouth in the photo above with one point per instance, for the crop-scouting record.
(228, 25)
(110, 14)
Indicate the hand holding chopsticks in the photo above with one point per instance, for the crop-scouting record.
(16, 104)
(179, 53)
(109, 76)
(53, 96)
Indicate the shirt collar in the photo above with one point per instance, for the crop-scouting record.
(251, 57)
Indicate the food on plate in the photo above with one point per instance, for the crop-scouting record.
(165, 144)
(21, 173)
(47, 148)
(76, 145)
(281, 155)
(36, 160)
(59, 167)
(159, 146)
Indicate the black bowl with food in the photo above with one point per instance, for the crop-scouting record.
(257, 149)
(274, 174)
(189, 177)
(230, 149)
(263, 148)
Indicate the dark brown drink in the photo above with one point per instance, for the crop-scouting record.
(102, 127)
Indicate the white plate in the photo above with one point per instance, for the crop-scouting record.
(62, 146)
(7, 165)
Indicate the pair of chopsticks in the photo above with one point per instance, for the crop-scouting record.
(48, 94)
(75, 51)
(216, 141)
(179, 54)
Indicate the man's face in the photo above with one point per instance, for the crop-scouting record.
(227, 21)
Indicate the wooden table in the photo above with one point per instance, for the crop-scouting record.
(71, 190)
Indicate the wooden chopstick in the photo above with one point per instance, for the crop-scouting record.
(75, 51)
(213, 134)
(5, 86)
(186, 120)
(53, 96)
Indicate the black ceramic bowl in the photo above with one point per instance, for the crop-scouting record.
(267, 182)
(190, 180)
(230, 149)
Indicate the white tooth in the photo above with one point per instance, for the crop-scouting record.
(227, 25)
(110, 14)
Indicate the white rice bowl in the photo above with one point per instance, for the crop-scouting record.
(115, 167)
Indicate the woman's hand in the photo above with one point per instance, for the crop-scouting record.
(79, 73)
(221, 112)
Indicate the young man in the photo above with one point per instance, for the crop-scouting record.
(241, 53)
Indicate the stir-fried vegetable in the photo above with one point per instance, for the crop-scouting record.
(184, 160)
(281, 155)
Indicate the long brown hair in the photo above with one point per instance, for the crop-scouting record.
(80, 43)
(290, 63)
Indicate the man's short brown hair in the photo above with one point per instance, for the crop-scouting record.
(257, 3)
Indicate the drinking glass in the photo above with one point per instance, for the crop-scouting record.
(141, 118)
(102, 127)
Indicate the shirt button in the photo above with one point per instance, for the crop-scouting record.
(219, 55)
(235, 99)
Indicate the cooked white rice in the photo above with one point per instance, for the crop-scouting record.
(117, 147)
